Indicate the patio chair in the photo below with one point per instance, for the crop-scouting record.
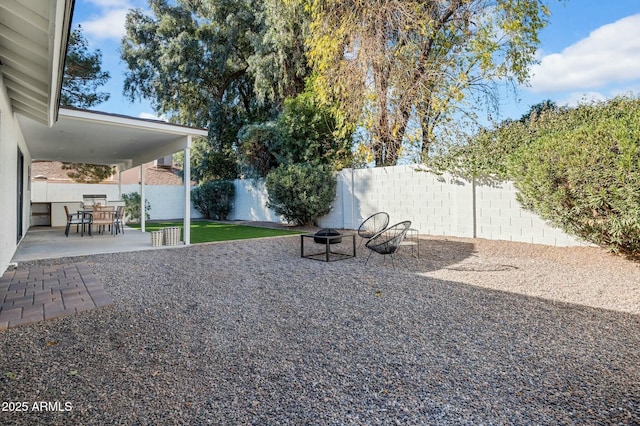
(119, 219)
(76, 219)
(387, 241)
(372, 225)
(104, 216)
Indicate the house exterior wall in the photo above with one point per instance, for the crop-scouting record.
(11, 139)
(251, 202)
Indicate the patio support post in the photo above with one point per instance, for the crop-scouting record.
(474, 207)
(119, 184)
(187, 192)
(143, 212)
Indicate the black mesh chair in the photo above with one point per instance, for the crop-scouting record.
(372, 225)
(387, 241)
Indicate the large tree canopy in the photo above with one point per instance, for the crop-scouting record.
(218, 64)
(306, 131)
(388, 61)
(190, 58)
(279, 63)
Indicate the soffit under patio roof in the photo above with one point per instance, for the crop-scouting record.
(81, 136)
(33, 43)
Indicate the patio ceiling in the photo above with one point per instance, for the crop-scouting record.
(82, 136)
(33, 42)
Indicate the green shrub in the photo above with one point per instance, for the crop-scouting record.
(301, 193)
(486, 154)
(584, 176)
(132, 202)
(214, 199)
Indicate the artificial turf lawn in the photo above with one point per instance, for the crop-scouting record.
(206, 231)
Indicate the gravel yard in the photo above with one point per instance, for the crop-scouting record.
(247, 332)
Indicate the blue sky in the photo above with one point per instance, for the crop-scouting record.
(589, 50)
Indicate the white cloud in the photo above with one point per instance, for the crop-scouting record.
(109, 4)
(109, 25)
(610, 54)
(151, 116)
(576, 98)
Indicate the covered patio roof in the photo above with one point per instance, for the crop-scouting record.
(81, 136)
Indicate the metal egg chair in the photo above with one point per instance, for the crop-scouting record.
(387, 241)
(372, 225)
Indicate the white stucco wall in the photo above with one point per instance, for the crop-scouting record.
(167, 201)
(11, 139)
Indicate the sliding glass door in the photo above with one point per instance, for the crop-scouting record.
(20, 195)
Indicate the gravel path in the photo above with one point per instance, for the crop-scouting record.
(247, 332)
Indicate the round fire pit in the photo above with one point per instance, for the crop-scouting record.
(327, 233)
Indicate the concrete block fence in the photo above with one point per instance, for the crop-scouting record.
(436, 205)
(167, 201)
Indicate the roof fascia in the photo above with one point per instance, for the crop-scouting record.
(60, 27)
(139, 123)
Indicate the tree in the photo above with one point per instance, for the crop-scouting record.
(388, 61)
(87, 173)
(132, 203)
(539, 108)
(214, 199)
(191, 61)
(279, 64)
(257, 148)
(312, 132)
(583, 176)
(486, 154)
(82, 76)
(301, 193)
(218, 64)
(306, 131)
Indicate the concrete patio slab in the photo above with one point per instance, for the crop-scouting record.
(51, 243)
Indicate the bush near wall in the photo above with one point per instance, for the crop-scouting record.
(214, 199)
(301, 193)
(132, 202)
(584, 177)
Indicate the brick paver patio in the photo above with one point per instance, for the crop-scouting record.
(44, 293)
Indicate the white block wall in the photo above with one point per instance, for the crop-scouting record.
(44, 192)
(251, 202)
(167, 201)
(436, 205)
(500, 217)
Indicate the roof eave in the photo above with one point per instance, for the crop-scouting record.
(60, 30)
